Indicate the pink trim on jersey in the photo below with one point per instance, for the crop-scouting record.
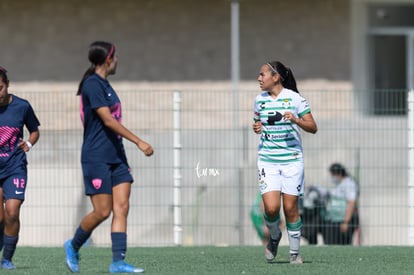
(116, 111)
(8, 140)
(82, 113)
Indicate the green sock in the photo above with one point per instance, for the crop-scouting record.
(294, 234)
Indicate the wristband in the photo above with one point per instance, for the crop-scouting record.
(29, 144)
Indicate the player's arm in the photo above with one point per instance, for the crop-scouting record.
(32, 140)
(350, 207)
(33, 137)
(306, 122)
(105, 115)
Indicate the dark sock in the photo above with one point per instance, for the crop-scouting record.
(119, 245)
(9, 246)
(80, 238)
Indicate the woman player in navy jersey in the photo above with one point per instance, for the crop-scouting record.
(15, 113)
(106, 173)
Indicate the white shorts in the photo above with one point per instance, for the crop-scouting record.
(288, 178)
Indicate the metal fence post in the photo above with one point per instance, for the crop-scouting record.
(177, 169)
(411, 167)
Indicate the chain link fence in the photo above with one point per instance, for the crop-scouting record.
(217, 181)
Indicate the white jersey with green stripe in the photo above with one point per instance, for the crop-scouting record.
(280, 140)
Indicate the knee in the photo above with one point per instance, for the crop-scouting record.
(291, 213)
(12, 216)
(102, 214)
(121, 208)
(272, 213)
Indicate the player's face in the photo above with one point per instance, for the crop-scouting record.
(3, 92)
(266, 80)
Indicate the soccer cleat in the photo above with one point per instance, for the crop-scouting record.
(123, 267)
(295, 259)
(271, 248)
(72, 257)
(6, 264)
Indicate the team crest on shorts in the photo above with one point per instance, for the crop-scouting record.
(262, 185)
(97, 183)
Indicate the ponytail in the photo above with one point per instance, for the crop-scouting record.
(290, 82)
(88, 72)
(286, 75)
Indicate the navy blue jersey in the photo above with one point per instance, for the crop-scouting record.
(100, 144)
(13, 117)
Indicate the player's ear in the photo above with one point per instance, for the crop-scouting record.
(108, 60)
(275, 77)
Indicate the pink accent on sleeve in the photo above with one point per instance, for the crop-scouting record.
(82, 113)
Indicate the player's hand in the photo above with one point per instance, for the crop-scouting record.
(23, 145)
(257, 127)
(145, 148)
(288, 116)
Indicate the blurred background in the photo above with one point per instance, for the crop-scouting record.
(187, 79)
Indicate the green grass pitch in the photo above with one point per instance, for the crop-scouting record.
(223, 260)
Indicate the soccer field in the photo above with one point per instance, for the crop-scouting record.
(223, 260)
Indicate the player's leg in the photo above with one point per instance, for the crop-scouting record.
(121, 193)
(98, 185)
(269, 185)
(1, 217)
(14, 188)
(101, 210)
(292, 188)
(121, 190)
(102, 207)
(272, 220)
(293, 226)
(11, 231)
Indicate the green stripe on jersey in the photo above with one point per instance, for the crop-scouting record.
(276, 109)
(304, 112)
(278, 124)
(272, 147)
(277, 131)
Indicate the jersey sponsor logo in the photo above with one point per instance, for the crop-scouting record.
(273, 136)
(19, 192)
(274, 117)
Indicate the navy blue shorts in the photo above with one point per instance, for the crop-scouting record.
(99, 178)
(14, 185)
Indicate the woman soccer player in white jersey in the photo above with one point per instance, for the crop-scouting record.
(279, 114)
